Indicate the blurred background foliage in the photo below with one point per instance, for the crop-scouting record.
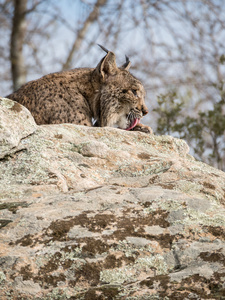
(176, 48)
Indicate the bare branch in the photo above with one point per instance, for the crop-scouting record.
(81, 32)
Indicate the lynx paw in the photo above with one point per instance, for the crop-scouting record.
(143, 128)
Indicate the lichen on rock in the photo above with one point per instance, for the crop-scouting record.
(102, 213)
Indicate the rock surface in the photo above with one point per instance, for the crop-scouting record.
(101, 213)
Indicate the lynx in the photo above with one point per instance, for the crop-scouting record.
(103, 96)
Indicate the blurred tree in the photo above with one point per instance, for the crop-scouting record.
(173, 44)
(92, 17)
(205, 133)
(25, 31)
(17, 40)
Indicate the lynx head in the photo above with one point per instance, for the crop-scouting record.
(120, 95)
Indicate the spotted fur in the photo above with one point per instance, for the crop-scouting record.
(107, 94)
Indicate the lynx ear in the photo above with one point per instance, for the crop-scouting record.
(127, 64)
(107, 65)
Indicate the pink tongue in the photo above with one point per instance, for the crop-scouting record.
(133, 124)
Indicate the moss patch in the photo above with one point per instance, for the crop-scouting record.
(16, 107)
(4, 222)
(196, 285)
(13, 206)
(213, 257)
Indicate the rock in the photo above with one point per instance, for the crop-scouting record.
(11, 133)
(102, 213)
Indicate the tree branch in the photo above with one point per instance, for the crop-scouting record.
(81, 32)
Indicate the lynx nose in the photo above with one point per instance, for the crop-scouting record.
(144, 111)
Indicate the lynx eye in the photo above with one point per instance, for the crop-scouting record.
(124, 91)
(134, 92)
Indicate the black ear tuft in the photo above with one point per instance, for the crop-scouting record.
(103, 48)
(126, 65)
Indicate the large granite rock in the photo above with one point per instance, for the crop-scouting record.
(101, 213)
